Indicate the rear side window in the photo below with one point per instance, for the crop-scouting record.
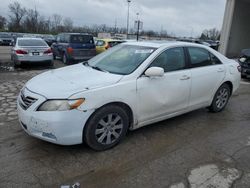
(100, 43)
(170, 60)
(31, 42)
(83, 39)
(201, 57)
(214, 59)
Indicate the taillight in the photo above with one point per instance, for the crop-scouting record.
(49, 51)
(69, 50)
(107, 47)
(21, 52)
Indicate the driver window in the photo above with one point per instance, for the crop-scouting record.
(170, 60)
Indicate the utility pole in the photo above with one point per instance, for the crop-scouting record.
(115, 25)
(129, 1)
(138, 27)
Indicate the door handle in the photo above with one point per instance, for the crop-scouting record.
(220, 70)
(185, 77)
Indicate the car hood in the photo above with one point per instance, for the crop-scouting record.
(64, 82)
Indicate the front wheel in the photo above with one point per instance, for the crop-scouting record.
(220, 99)
(106, 128)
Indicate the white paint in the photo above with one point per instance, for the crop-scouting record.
(212, 176)
(150, 99)
(178, 185)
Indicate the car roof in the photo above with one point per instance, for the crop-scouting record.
(28, 38)
(158, 44)
(76, 34)
(109, 40)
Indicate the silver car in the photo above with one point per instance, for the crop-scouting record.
(31, 50)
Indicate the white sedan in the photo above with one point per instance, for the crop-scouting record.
(129, 86)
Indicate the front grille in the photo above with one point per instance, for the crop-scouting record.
(26, 102)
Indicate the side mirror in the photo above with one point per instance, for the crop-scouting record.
(154, 72)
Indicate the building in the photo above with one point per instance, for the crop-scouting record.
(235, 34)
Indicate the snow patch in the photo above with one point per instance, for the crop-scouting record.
(178, 185)
(212, 176)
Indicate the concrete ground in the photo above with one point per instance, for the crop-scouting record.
(198, 149)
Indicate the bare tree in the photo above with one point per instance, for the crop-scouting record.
(2, 22)
(68, 24)
(212, 34)
(31, 21)
(56, 21)
(17, 13)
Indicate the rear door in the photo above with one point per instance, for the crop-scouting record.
(57, 46)
(207, 73)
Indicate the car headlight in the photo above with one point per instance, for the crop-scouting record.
(60, 105)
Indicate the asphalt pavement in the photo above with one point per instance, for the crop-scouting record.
(198, 149)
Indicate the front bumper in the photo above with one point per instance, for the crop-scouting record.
(38, 58)
(59, 127)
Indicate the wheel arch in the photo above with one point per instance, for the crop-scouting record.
(230, 84)
(123, 105)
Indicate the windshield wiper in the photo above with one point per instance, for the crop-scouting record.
(86, 63)
(98, 68)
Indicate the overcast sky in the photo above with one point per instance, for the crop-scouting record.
(181, 17)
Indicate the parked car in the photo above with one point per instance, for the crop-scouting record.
(6, 39)
(127, 87)
(49, 39)
(104, 44)
(31, 50)
(244, 61)
(74, 47)
(213, 44)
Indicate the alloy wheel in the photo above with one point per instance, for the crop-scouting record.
(109, 129)
(222, 98)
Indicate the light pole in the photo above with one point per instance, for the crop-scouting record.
(129, 1)
(138, 27)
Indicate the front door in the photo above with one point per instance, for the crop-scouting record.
(160, 96)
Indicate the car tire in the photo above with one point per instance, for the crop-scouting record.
(243, 76)
(16, 65)
(51, 63)
(220, 99)
(106, 128)
(65, 59)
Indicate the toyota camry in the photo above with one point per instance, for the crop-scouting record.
(129, 86)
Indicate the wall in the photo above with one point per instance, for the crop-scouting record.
(239, 37)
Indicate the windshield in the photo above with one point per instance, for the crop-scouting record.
(5, 36)
(122, 59)
(83, 39)
(31, 42)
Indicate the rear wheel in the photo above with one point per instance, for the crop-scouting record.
(106, 128)
(51, 63)
(65, 59)
(220, 99)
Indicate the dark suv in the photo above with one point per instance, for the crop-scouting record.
(74, 47)
(244, 60)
